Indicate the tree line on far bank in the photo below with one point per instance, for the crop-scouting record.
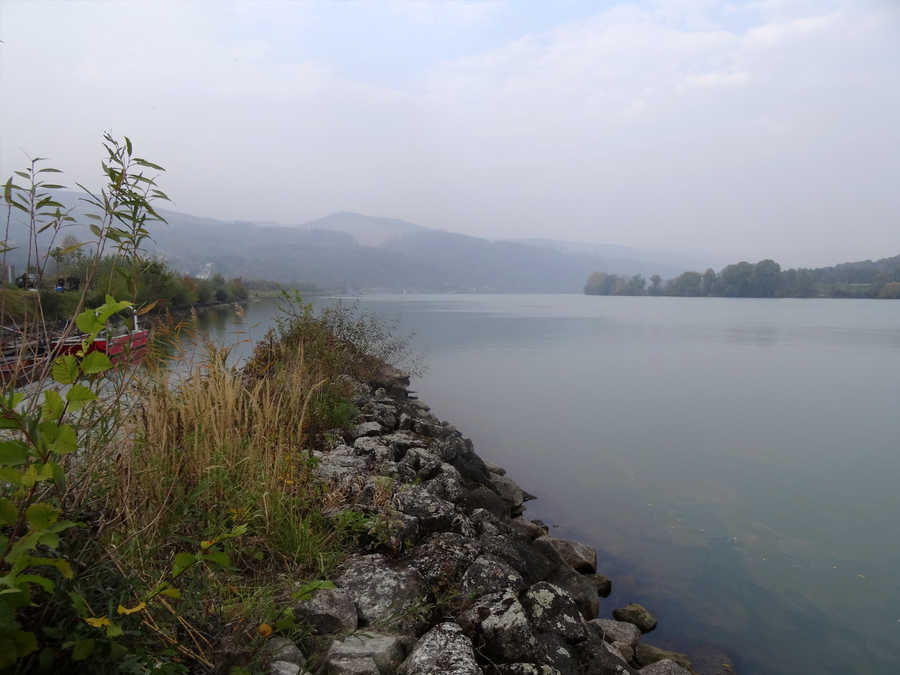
(765, 279)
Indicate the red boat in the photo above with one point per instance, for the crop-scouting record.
(129, 346)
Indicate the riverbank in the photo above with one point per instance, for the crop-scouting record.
(460, 581)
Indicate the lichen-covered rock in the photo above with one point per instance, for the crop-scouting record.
(580, 557)
(490, 575)
(579, 587)
(664, 667)
(444, 650)
(443, 558)
(494, 468)
(372, 446)
(434, 514)
(525, 669)
(636, 614)
(501, 625)
(340, 464)
(600, 658)
(446, 483)
(359, 652)
(329, 610)
(616, 631)
(283, 652)
(552, 610)
(366, 429)
(381, 592)
(401, 530)
(645, 655)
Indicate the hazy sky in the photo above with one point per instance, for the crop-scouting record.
(745, 129)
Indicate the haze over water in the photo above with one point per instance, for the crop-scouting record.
(733, 461)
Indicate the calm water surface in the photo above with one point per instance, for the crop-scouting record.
(735, 462)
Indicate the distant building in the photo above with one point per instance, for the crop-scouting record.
(207, 271)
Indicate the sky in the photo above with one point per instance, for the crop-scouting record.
(737, 130)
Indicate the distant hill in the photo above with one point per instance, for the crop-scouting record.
(356, 252)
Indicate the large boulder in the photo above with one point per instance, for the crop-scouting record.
(329, 610)
(381, 592)
(579, 587)
(282, 656)
(636, 614)
(444, 650)
(499, 622)
(616, 631)
(340, 465)
(525, 559)
(665, 667)
(646, 655)
(443, 558)
(580, 557)
(509, 491)
(434, 514)
(552, 610)
(488, 574)
(360, 652)
(366, 429)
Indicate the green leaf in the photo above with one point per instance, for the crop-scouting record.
(219, 558)
(306, 590)
(53, 406)
(41, 515)
(26, 643)
(171, 591)
(83, 649)
(65, 368)
(13, 476)
(59, 563)
(114, 630)
(13, 453)
(66, 442)
(182, 562)
(128, 145)
(78, 396)
(43, 582)
(95, 362)
(9, 514)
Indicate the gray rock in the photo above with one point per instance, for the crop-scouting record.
(526, 528)
(381, 593)
(446, 484)
(490, 575)
(401, 530)
(367, 429)
(552, 610)
(579, 587)
(339, 465)
(636, 614)
(508, 490)
(360, 652)
(482, 497)
(580, 557)
(283, 668)
(616, 631)
(664, 667)
(364, 665)
(525, 669)
(434, 513)
(444, 558)
(494, 468)
(526, 560)
(444, 650)
(500, 623)
(370, 445)
(404, 422)
(329, 610)
(646, 655)
(601, 583)
(282, 650)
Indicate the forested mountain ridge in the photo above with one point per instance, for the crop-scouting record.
(351, 251)
(765, 279)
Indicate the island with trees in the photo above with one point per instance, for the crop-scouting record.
(764, 279)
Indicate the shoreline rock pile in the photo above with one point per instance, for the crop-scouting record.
(461, 583)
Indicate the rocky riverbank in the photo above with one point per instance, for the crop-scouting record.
(458, 580)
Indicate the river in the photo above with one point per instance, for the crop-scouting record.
(734, 461)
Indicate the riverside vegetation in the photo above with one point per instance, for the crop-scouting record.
(765, 279)
(302, 514)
